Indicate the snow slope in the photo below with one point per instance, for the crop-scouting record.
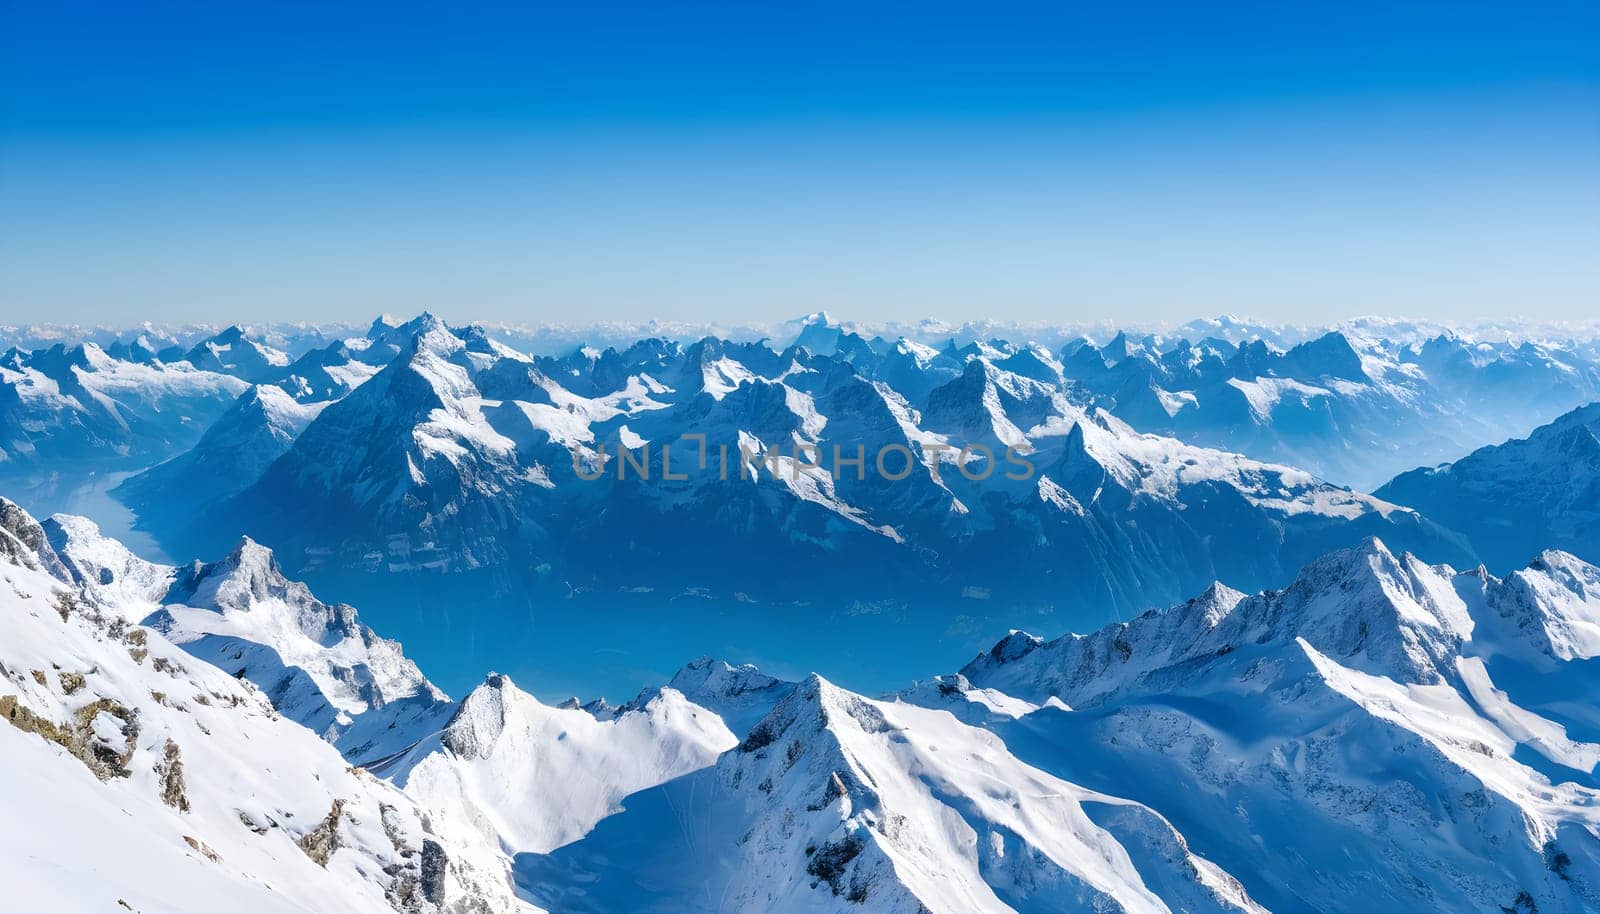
(231, 455)
(1381, 733)
(835, 802)
(1514, 499)
(534, 777)
(62, 407)
(140, 778)
(1355, 406)
(317, 664)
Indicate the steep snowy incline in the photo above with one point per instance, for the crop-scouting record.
(318, 664)
(141, 778)
(501, 764)
(406, 472)
(232, 454)
(1395, 615)
(532, 777)
(123, 583)
(1375, 725)
(1514, 499)
(835, 802)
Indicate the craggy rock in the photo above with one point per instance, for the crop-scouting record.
(170, 771)
(78, 737)
(320, 843)
(434, 864)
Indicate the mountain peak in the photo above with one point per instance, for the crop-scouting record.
(23, 540)
(1365, 606)
(812, 708)
(815, 318)
(706, 674)
(254, 558)
(1329, 355)
(481, 717)
(1554, 604)
(740, 695)
(1014, 646)
(246, 576)
(429, 333)
(1215, 602)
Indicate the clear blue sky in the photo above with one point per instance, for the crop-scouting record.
(715, 161)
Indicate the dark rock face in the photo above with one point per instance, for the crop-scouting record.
(434, 865)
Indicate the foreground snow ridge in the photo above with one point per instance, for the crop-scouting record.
(140, 776)
(1382, 734)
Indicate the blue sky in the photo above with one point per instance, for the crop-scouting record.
(723, 161)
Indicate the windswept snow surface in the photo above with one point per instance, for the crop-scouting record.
(533, 777)
(836, 802)
(1381, 733)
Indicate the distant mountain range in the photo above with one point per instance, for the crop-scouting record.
(1354, 404)
(463, 455)
(1074, 480)
(171, 341)
(1343, 408)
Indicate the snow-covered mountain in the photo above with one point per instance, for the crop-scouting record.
(514, 771)
(72, 412)
(532, 777)
(1383, 734)
(232, 353)
(488, 483)
(232, 454)
(1513, 499)
(1348, 408)
(317, 664)
(62, 408)
(835, 802)
(463, 455)
(140, 778)
(741, 695)
(170, 341)
(559, 337)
